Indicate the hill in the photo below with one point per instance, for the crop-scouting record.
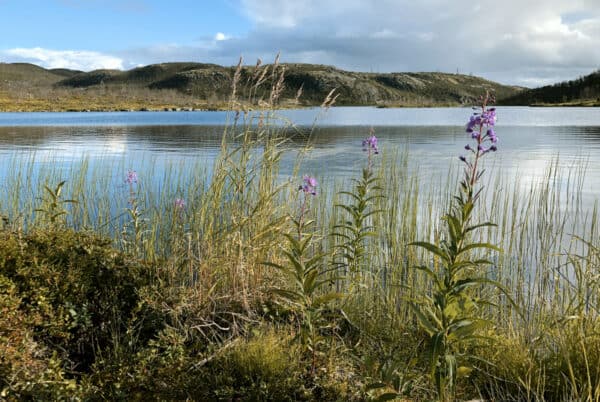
(200, 85)
(24, 73)
(583, 91)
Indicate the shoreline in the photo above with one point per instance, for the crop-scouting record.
(224, 108)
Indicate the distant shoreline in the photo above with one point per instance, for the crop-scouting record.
(224, 108)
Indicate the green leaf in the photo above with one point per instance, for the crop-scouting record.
(423, 320)
(272, 264)
(350, 194)
(481, 225)
(431, 248)
(474, 246)
(431, 274)
(289, 295)
(436, 348)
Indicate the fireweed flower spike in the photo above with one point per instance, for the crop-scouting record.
(369, 145)
(131, 177)
(481, 127)
(179, 203)
(309, 186)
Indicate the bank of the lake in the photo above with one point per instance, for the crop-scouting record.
(192, 256)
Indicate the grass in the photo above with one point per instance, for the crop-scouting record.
(205, 321)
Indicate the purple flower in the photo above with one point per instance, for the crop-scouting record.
(462, 158)
(131, 177)
(489, 116)
(474, 120)
(179, 203)
(491, 134)
(309, 186)
(481, 127)
(370, 143)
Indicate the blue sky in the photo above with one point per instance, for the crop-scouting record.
(523, 42)
(108, 25)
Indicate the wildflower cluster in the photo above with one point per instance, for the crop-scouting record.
(309, 186)
(481, 127)
(132, 177)
(370, 144)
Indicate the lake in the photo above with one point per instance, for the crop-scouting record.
(148, 142)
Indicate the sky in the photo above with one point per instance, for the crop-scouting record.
(518, 42)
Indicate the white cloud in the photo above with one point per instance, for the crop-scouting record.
(221, 36)
(512, 40)
(72, 59)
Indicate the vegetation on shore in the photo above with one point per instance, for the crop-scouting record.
(583, 91)
(241, 285)
(176, 86)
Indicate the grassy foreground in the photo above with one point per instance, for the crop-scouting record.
(239, 285)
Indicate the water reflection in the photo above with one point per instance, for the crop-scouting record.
(527, 150)
(433, 138)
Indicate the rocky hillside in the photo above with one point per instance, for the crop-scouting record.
(212, 84)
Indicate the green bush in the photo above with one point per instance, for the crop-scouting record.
(67, 298)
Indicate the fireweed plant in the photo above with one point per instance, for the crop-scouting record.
(133, 231)
(306, 276)
(52, 209)
(451, 314)
(355, 230)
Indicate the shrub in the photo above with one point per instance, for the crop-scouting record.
(66, 295)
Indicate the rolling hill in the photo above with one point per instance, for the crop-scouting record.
(199, 85)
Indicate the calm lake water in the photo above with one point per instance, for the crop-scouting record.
(530, 139)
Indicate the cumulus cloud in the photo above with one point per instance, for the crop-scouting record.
(518, 42)
(514, 41)
(72, 59)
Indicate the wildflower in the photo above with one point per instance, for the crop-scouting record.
(370, 143)
(179, 203)
(474, 121)
(489, 116)
(131, 177)
(309, 186)
(462, 158)
(491, 134)
(481, 127)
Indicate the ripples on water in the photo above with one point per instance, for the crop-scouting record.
(530, 138)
